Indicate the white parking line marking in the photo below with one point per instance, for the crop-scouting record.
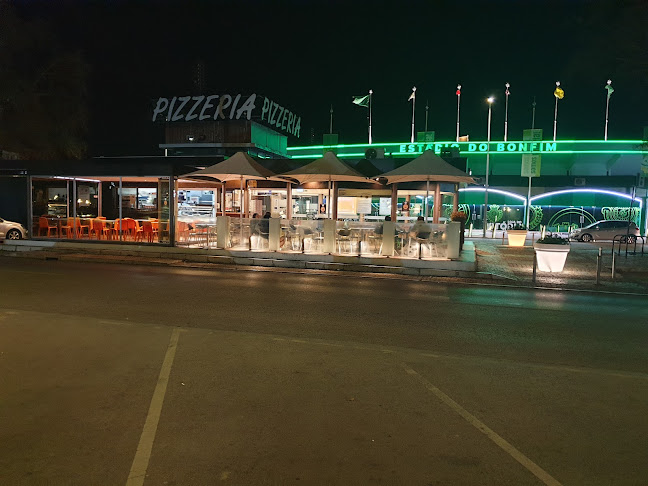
(143, 454)
(536, 470)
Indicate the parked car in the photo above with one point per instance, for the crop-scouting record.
(11, 230)
(606, 230)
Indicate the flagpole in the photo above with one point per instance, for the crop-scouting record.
(506, 112)
(426, 114)
(556, 113)
(608, 87)
(528, 203)
(458, 103)
(413, 108)
(331, 123)
(370, 96)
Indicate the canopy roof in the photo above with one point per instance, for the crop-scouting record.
(326, 168)
(238, 166)
(427, 167)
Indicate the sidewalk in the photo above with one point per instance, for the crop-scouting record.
(514, 266)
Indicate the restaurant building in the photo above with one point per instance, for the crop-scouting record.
(554, 184)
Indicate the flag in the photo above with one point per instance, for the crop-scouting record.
(559, 93)
(361, 101)
(609, 88)
(412, 96)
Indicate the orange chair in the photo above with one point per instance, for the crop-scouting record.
(43, 225)
(82, 228)
(119, 227)
(133, 228)
(69, 228)
(99, 229)
(147, 231)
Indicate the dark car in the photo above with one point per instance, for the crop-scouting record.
(606, 230)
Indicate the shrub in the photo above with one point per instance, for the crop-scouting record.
(554, 240)
(459, 216)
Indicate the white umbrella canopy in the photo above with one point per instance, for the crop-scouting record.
(427, 167)
(326, 168)
(238, 166)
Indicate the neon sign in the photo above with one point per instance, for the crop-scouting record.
(471, 147)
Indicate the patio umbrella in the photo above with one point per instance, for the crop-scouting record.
(239, 166)
(327, 168)
(427, 167)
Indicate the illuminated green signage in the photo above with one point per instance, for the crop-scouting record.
(470, 147)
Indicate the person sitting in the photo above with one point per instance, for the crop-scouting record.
(254, 224)
(264, 225)
(420, 229)
(379, 230)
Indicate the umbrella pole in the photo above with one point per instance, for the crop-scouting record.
(223, 198)
(241, 211)
(427, 196)
(328, 201)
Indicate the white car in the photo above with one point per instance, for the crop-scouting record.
(12, 231)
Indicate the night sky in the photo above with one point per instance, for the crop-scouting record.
(307, 55)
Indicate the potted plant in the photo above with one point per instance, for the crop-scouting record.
(551, 253)
(461, 218)
(516, 235)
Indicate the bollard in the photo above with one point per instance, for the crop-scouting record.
(598, 266)
(613, 262)
(535, 265)
(470, 230)
(503, 235)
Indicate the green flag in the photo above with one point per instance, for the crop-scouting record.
(609, 88)
(361, 101)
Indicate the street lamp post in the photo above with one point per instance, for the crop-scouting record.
(485, 218)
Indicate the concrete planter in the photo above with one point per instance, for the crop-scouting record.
(516, 237)
(551, 258)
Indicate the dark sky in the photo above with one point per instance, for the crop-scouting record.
(307, 55)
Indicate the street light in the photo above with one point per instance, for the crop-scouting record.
(490, 100)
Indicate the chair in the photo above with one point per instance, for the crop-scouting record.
(68, 228)
(345, 236)
(426, 238)
(132, 228)
(81, 228)
(99, 229)
(43, 225)
(146, 231)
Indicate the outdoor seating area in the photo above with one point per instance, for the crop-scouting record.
(100, 228)
(349, 238)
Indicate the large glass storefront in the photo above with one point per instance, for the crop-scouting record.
(110, 209)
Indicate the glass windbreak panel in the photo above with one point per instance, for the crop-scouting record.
(49, 206)
(87, 202)
(421, 239)
(305, 235)
(196, 234)
(239, 230)
(358, 237)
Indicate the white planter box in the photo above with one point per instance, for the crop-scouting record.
(551, 258)
(516, 237)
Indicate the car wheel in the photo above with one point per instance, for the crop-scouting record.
(14, 234)
(586, 237)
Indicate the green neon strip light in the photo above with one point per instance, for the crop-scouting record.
(492, 153)
(442, 142)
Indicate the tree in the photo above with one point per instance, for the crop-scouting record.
(43, 106)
